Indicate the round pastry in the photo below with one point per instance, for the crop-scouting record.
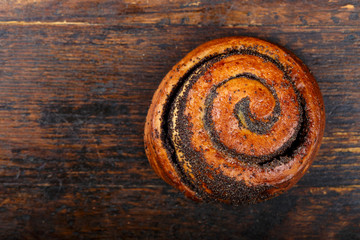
(238, 120)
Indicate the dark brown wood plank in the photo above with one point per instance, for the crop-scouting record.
(182, 12)
(73, 101)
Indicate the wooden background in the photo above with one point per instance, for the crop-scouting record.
(76, 81)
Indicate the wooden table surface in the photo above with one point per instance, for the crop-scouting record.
(76, 81)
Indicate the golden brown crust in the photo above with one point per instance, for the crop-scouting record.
(237, 120)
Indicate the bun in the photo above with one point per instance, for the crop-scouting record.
(238, 120)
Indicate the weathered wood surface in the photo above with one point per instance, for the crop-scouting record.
(76, 80)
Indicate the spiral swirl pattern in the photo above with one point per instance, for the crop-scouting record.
(237, 120)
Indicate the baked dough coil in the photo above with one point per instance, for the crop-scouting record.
(238, 120)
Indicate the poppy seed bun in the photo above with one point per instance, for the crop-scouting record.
(238, 120)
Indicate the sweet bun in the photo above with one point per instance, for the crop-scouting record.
(238, 120)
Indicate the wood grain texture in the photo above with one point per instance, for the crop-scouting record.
(76, 81)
